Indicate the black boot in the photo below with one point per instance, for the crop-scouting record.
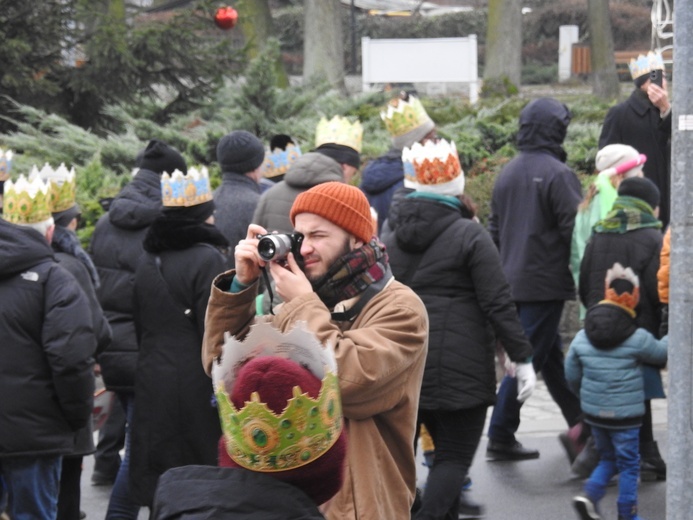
(652, 466)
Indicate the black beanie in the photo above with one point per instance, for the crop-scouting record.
(641, 188)
(63, 218)
(240, 152)
(340, 153)
(160, 157)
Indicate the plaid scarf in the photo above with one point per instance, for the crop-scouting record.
(627, 214)
(352, 273)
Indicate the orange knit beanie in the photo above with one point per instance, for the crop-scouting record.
(342, 204)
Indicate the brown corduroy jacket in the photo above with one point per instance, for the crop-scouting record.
(380, 358)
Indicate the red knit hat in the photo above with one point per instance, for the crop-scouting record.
(273, 379)
(342, 204)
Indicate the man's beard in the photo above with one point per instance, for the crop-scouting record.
(346, 248)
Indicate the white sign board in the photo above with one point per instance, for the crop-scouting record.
(421, 60)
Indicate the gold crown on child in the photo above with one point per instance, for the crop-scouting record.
(181, 190)
(339, 130)
(261, 440)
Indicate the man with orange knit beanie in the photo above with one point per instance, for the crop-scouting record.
(338, 281)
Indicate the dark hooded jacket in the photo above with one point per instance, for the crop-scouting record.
(604, 367)
(638, 123)
(47, 348)
(379, 181)
(452, 265)
(175, 421)
(202, 492)
(533, 207)
(116, 247)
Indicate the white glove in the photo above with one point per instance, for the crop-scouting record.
(526, 380)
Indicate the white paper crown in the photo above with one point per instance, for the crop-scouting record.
(180, 190)
(339, 130)
(26, 201)
(643, 64)
(5, 164)
(437, 167)
(62, 184)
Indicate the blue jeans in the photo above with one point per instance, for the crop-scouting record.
(618, 453)
(540, 322)
(121, 506)
(32, 485)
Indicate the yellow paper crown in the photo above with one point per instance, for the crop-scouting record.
(339, 130)
(62, 184)
(643, 64)
(26, 202)
(403, 116)
(437, 167)
(181, 190)
(261, 440)
(5, 164)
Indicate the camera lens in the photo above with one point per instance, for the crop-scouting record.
(274, 247)
(266, 249)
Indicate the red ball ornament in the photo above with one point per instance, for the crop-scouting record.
(226, 18)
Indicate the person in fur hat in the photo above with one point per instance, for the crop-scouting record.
(604, 367)
(284, 445)
(175, 422)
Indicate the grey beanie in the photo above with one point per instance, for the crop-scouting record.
(240, 152)
(413, 136)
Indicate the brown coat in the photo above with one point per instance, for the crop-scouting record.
(380, 357)
(663, 272)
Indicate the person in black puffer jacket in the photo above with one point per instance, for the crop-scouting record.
(451, 263)
(116, 247)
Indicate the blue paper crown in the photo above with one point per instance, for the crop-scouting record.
(180, 190)
(278, 161)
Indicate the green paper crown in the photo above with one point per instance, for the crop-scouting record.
(403, 116)
(62, 184)
(26, 202)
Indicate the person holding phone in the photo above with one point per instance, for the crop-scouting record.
(643, 121)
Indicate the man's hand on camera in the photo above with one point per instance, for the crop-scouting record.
(290, 282)
(248, 262)
(659, 97)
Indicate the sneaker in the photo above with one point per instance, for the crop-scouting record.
(468, 508)
(586, 509)
(509, 451)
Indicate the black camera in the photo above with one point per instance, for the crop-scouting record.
(277, 246)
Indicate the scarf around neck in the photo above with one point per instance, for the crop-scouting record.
(628, 214)
(353, 273)
(66, 241)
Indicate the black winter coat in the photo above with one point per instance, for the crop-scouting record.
(201, 493)
(453, 266)
(47, 348)
(175, 422)
(533, 208)
(638, 249)
(637, 122)
(116, 247)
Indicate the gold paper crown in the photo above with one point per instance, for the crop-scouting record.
(437, 167)
(26, 202)
(339, 130)
(62, 184)
(403, 116)
(261, 440)
(278, 161)
(645, 63)
(180, 190)
(5, 164)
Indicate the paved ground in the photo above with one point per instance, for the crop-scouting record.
(538, 489)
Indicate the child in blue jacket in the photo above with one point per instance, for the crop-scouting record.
(603, 367)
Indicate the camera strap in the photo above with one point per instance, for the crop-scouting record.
(268, 284)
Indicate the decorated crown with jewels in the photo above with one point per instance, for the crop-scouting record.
(26, 201)
(339, 130)
(403, 116)
(627, 300)
(62, 184)
(261, 440)
(278, 161)
(181, 190)
(437, 167)
(5, 164)
(643, 64)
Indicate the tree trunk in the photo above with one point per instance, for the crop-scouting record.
(504, 41)
(255, 20)
(604, 76)
(323, 44)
